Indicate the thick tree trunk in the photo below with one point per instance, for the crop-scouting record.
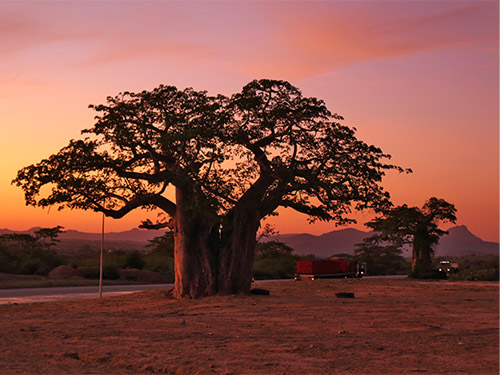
(195, 251)
(236, 258)
(422, 254)
(414, 258)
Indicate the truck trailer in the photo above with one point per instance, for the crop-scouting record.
(327, 269)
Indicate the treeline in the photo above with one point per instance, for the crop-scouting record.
(27, 254)
(35, 255)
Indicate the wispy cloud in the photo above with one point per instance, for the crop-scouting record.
(282, 39)
(22, 32)
(314, 39)
(110, 51)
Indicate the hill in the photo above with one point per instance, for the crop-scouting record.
(76, 243)
(132, 235)
(325, 245)
(459, 241)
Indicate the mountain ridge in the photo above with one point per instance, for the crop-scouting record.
(131, 235)
(460, 241)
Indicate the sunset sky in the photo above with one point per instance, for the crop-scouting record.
(419, 79)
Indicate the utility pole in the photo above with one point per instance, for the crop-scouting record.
(100, 263)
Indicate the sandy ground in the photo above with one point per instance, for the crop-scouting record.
(390, 327)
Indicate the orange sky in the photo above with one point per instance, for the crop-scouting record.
(419, 79)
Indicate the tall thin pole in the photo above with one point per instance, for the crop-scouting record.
(100, 263)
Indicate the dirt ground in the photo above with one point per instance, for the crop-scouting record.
(390, 327)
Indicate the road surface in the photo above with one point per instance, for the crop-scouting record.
(34, 295)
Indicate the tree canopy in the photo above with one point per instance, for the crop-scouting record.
(232, 160)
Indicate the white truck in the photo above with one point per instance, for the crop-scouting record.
(447, 266)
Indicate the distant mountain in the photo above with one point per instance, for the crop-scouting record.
(76, 243)
(132, 235)
(459, 241)
(325, 245)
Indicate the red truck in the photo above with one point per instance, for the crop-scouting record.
(316, 269)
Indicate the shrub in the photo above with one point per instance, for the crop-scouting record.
(110, 273)
(275, 267)
(90, 272)
(478, 274)
(134, 260)
(160, 263)
(27, 261)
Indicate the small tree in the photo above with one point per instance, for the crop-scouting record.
(418, 227)
(272, 248)
(232, 161)
(163, 244)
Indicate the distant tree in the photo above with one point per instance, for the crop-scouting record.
(163, 244)
(272, 248)
(342, 256)
(43, 238)
(161, 257)
(24, 253)
(267, 230)
(418, 227)
(48, 236)
(134, 260)
(274, 260)
(233, 161)
(22, 240)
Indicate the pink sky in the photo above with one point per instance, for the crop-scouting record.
(419, 79)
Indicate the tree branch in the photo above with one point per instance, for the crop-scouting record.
(144, 200)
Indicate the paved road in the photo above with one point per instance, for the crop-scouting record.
(33, 295)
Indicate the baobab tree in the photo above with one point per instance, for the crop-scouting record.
(418, 227)
(232, 161)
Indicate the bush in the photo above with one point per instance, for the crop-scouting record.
(27, 261)
(160, 263)
(90, 272)
(275, 267)
(108, 273)
(134, 260)
(478, 274)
